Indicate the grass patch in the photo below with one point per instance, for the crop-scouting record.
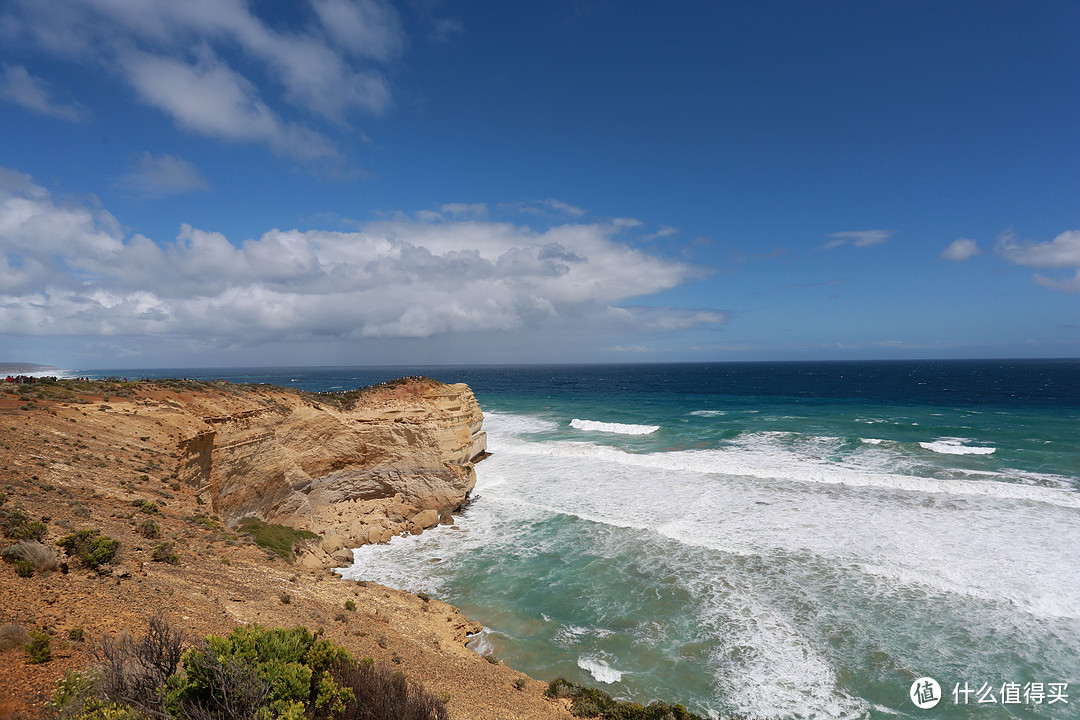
(31, 556)
(280, 540)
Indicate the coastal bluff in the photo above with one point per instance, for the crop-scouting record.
(169, 471)
(355, 468)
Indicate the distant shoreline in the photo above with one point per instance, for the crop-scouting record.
(16, 368)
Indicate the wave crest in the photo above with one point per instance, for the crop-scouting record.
(619, 428)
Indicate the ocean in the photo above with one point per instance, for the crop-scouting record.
(799, 540)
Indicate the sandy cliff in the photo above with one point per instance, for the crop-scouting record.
(357, 469)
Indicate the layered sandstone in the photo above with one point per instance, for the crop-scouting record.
(356, 469)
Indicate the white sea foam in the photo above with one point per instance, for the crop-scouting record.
(955, 446)
(765, 456)
(503, 423)
(481, 643)
(871, 441)
(599, 669)
(708, 413)
(608, 427)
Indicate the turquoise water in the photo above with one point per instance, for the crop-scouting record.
(798, 540)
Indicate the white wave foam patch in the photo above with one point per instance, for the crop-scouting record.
(599, 669)
(871, 441)
(480, 644)
(619, 428)
(504, 423)
(760, 456)
(960, 537)
(708, 413)
(767, 665)
(955, 446)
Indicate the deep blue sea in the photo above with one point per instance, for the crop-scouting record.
(803, 540)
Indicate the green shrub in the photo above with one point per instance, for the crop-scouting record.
(16, 525)
(73, 695)
(24, 569)
(350, 606)
(592, 702)
(148, 529)
(91, 547)
(146, 506)
(280, 540)
(166, 553)
(38, 649)
(77, 634)
(33, 530)
(292, 666)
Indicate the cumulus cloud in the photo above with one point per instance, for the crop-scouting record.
(33, 93)
(69, 269)
(1063, 252)
(960, 250)
(155, 176)
(201, 61)
(858, 238)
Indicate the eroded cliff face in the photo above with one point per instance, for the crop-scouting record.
(396, 459)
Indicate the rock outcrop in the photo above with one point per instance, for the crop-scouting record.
(357, 469)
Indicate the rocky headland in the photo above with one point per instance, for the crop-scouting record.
(176, 470)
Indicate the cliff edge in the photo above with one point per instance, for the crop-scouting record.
(356, 468)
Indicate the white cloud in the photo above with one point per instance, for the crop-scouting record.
(68, 269)
(1065, 285)
(210, 57)
(960, 250)
(155, 176)
(211, 99)
(363, 27)
(33, 93)
(858, 238)
(460, 209)
(549, 206)
(1061, 252)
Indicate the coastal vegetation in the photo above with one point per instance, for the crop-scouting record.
(593, 702)
(253, 672)
(280, 540)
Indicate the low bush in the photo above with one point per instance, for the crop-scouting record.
(592, 702)
(148, 529)
(74, 695)
(281, 672)
(280, 540)
(38, 650)
(146, 506)
(254, 673)
(31, 556)
(91, 547)
(15, 524)
(13, 636)
(166, 553)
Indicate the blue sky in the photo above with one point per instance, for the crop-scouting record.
(339, 182)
